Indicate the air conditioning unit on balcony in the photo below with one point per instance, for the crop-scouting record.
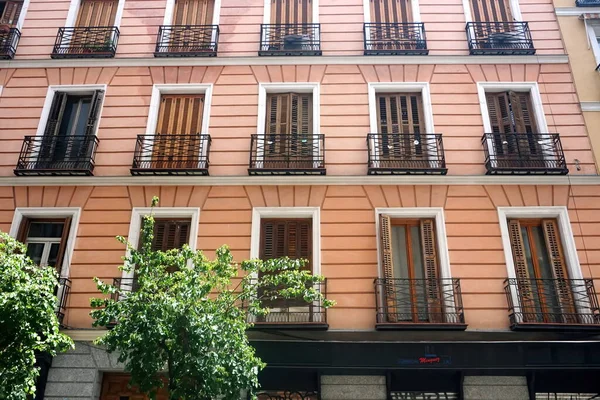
(500, 40)
(296, 42)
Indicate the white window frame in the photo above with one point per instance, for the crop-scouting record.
(298, 87)
(561, 214)
(51, 212)
(414, 4)
(170, 11)
(135, 226)
(536, 101)
(441, 239)
(21, 20)
(74, 11)
(592, 38)
(514, 8)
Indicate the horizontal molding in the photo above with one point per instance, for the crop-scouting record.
(590, 106)
(84, 335)
(326, 60)
(298, 180)
(575, 11)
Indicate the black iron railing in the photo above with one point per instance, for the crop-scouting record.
(403, 38)
(499, 38)
(587, 3)
(301, 154)
(524, 153)
(62, 295)
(171, 155)
(395, 153)
(125, 285)
(291, 312)
(290, 40)
(404, 302)
(57, 155)
(287, 395)
(551, 302)
(86, 42)
(187, 41)
(8, 43)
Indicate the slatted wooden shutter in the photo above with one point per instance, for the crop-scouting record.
(291, 11)
(522, 110)
(430, 261)
(499, 111)
(400, 113)
(391, 11)
(100, 13)
(559, 269)
(193, 12)
(526, 295)
(387, 266)
(11, 13)
(94, 115)
(491, 11)
(170, 234)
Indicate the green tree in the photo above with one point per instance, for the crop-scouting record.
(28, 321)
(185, 329)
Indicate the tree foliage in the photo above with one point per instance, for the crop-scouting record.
(28, 321)
(185, 329)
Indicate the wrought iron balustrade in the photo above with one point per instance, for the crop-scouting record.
(406, 38)
(552, 304)
(524, 153)
(398, 153)
(419, 304)
(8, 43)
(57, 155)
(171, 155)
(287, 395)
(291, 313)
(290, 40)
(187, 41)
(62, 295)
(587, 3)
(86, 42)
(499, 38)
(294, 154)
(125, 285)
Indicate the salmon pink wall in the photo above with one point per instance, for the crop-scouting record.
(341, 24)
(344, 109)
(348, 237)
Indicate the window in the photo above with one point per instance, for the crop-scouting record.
(511, 112)
(491, 11)
(46, 240)
(291, 11)
(193, 12)
(400, 114)
(391, 11)
(170, 233)
(10, 11)
(593, 31)
(97, 13)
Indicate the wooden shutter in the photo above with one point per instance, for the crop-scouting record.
(526, 295)
(11, 13)
(499, 111)
(391, 11)
(286, 238)
(94, 115)
(97, 13)
(278, 114)
(170, 234)
(193, 12)
(180, 114)
(63, 245)
(55, 115)
(291, 11)
(522, 110)
(430, 261)
(289, 113)
(491, 11)
(387, 266)
(559, 269)
(400, 113)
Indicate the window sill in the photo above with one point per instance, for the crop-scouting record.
(402, 326)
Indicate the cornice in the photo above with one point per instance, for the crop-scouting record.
(575, 11)
(323, 60)
(299, 180)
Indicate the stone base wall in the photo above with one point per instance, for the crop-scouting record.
(495, 388)
(353, 387)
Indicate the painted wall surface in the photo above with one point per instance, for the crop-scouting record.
(341, 24)
(348, 234)
(344, 109)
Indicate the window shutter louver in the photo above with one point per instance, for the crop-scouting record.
(387, 266)
(430, 260)
(12, 12)
(193, 12)
(97, 13)
(291, 11)
(51, 130)
(391, 11)
(170, 234)
(95, 107)
(491, 11)
(559, 269)
(523, 279)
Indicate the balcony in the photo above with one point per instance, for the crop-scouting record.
(57, 155)
(524, 153)
(187, 41)
(395, 153)
(292, 313)
(499, 38)
(125, 285)
(552, 304)
(86, 42)
(393, 39)
(290, 40)
(62, 294)
(587, 3)
(419, 304)
(8, 43)
(171, 155)
(301, 154)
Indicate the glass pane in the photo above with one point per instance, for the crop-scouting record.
(35, 252)
(420, 284)
(542, 253)
(548, 293)
(46, 229)
(66, 124)
(53, 255)
(530, 298)
(401, 285)
(82, 118)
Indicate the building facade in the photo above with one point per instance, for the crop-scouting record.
(429, 157)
